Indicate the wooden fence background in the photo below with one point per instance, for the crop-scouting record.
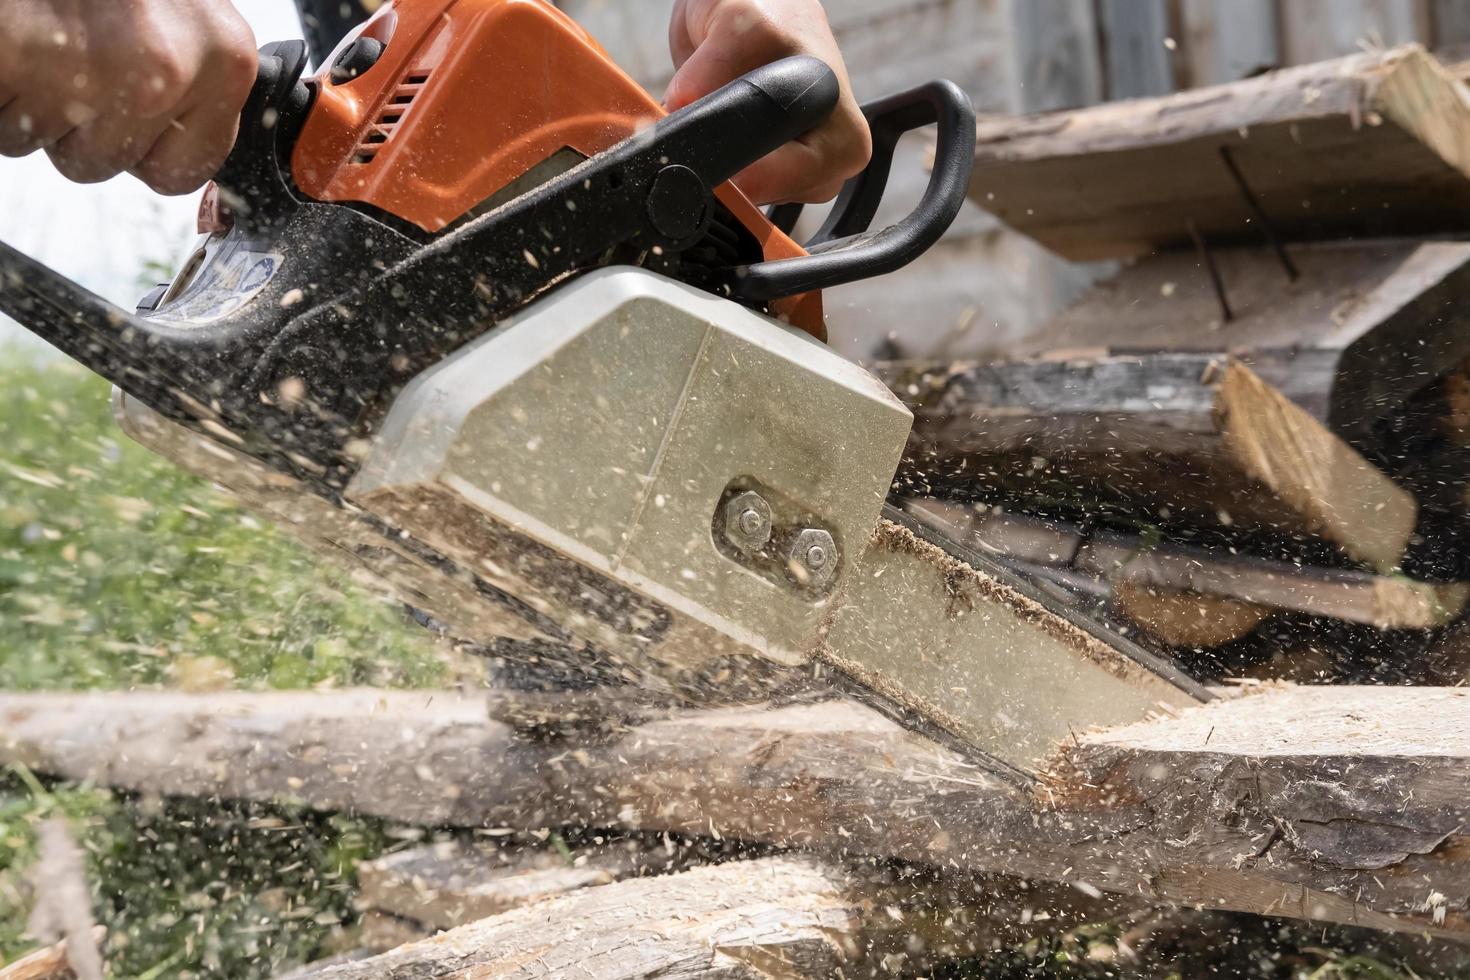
(984, 285)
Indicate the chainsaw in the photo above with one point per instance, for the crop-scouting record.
(469, 310)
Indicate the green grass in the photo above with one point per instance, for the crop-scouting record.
(118, 570)
(193, 888)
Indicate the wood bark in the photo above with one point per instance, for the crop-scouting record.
(1172, 440)
(1342, 804)
(1365, 146)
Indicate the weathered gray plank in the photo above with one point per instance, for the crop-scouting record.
(1226, 40)
(1138, 62)
(1451, 22)
(1056, 62)
(1351, 340)
(962, 299)
(1114, 559)
(1315, 30)
(442, 886)
(1339, 804)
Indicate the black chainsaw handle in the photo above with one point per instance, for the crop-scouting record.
(843, 250)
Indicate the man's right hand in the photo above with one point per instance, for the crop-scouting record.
(149, 87)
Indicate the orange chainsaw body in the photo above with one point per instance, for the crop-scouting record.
(468, 97)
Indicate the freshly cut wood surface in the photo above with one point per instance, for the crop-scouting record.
(1184, 439)
(1363, 146)
(1359, 819)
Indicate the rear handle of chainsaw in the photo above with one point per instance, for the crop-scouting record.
(843, 250)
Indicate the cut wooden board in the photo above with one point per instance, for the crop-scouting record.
(1114, 559)
(1226, 40)
(1342, 804)
(1164, 439)
(743, 920)
(1361, 330)
(441, 886)
(1364, 146)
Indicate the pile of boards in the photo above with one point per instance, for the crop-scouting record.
(1253, 436)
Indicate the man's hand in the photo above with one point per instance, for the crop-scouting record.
(150, 87)
(717, 41)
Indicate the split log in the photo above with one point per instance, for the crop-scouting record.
(1359, 147)
(1170, 439)
(442, 886)
(745, 920)
(1114, 560)
(1342, 804)
(1360, 331)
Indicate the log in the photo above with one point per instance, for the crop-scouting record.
(1312, 30)
(1340, 804)
(441, 886)
(1114, 559)
(1360, 331)
(1363, 146)
(745, 920)
(1176, 440)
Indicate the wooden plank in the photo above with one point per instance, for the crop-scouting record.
(442, 886)
(1114, 559)
(1315, 30)
(1366, 146)
(742, 920)
(1181, 441)
(1369, 787)
(1227, 40)
(1361, 330)
(326, 22)
(1138, 62)
(1056, 63)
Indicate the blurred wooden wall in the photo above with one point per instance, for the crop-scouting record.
(983, 285)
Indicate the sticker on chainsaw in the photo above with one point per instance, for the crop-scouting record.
(224, 283)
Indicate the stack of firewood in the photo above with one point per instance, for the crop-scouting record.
(1251, 438)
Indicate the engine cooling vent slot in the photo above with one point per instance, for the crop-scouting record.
(390, 116)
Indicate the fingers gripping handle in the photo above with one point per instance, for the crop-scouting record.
(844, 250)
(757, 114)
